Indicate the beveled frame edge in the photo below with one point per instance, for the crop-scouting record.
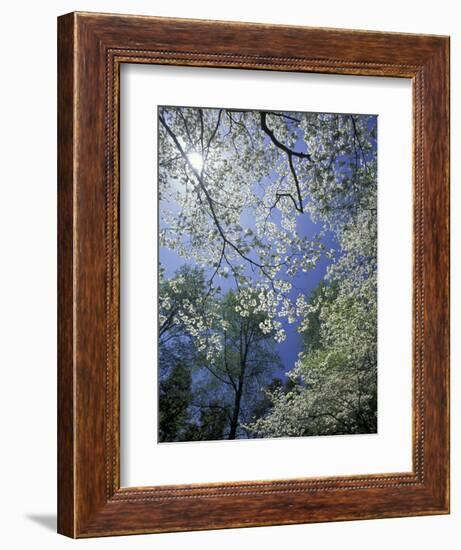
(91, 49)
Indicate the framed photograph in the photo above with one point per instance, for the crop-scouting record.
(253, 258)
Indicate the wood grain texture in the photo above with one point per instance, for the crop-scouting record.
(91, 48)
(66, 487)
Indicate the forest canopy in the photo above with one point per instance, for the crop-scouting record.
(267, 274)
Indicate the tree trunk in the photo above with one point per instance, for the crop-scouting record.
(236, 410)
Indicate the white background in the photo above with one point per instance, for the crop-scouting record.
(28, 274)
(143, 461)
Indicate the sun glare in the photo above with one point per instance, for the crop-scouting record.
(196, 160)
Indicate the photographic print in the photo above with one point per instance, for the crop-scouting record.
(267, 270)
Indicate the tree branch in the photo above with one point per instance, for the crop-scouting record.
(278, 143)
(290, 153)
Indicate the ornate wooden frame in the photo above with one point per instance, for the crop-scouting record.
(91, 49)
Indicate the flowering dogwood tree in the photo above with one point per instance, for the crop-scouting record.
(334, 380)
(236, 190)
(193, 385)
